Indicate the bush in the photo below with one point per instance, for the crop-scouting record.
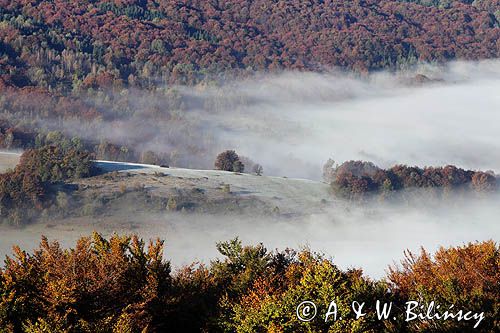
(250, 165)
(257, 169)
(484, 182)
(172, 204)
(229, 161)
(62, 200)
(329, 171)
(238, 166)
(226, 188)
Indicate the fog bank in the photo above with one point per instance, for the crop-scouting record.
(367, 237)
(300, 121)
(292, 123)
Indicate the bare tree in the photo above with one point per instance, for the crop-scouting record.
(257, 169)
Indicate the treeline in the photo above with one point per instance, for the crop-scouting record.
(21, 137)
(28, 189)
(122, 285)
(492, 6)
(30, 118)
(146, 121)
(70, 46)
(359, 179)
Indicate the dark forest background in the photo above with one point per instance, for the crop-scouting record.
(63, 47)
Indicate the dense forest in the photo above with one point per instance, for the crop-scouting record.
(67, 46)
(69, 66)
(122, 285)
(101, 79)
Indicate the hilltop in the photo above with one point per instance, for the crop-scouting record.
(129, 188)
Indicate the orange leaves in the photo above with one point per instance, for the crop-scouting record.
(467, 276)
(472, 268)
(262, 288)
(484, 182)
(97, 279)
(121, 285)
(357, 179)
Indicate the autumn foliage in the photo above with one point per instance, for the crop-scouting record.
(467, 276)
(358, 179)
(25, 190)
(67, 63)
(100, 44)
(122, 285)
(229, 161)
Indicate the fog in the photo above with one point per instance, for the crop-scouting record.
(291, 123)
(369, 237)
(377, 119)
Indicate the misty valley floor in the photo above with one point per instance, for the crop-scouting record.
(366, 236)
(291, 124)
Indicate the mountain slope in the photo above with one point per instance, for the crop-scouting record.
(76, 45)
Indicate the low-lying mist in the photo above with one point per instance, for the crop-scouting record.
(301, 120)
(369, 236)
(292, 123)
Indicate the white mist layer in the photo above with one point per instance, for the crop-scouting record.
(368, 238)
(292, 123)
(450, 122)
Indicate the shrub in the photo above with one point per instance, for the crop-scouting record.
(329, 171)
(229, 161)
(172, 204)
(226, 188)
(484, 182)
(250, 165)
(150, 157)
(257, 169)
(238, 166)
(122, 188)
(62, 200)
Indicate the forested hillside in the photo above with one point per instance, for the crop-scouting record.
(70, 64)
(67, 46)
